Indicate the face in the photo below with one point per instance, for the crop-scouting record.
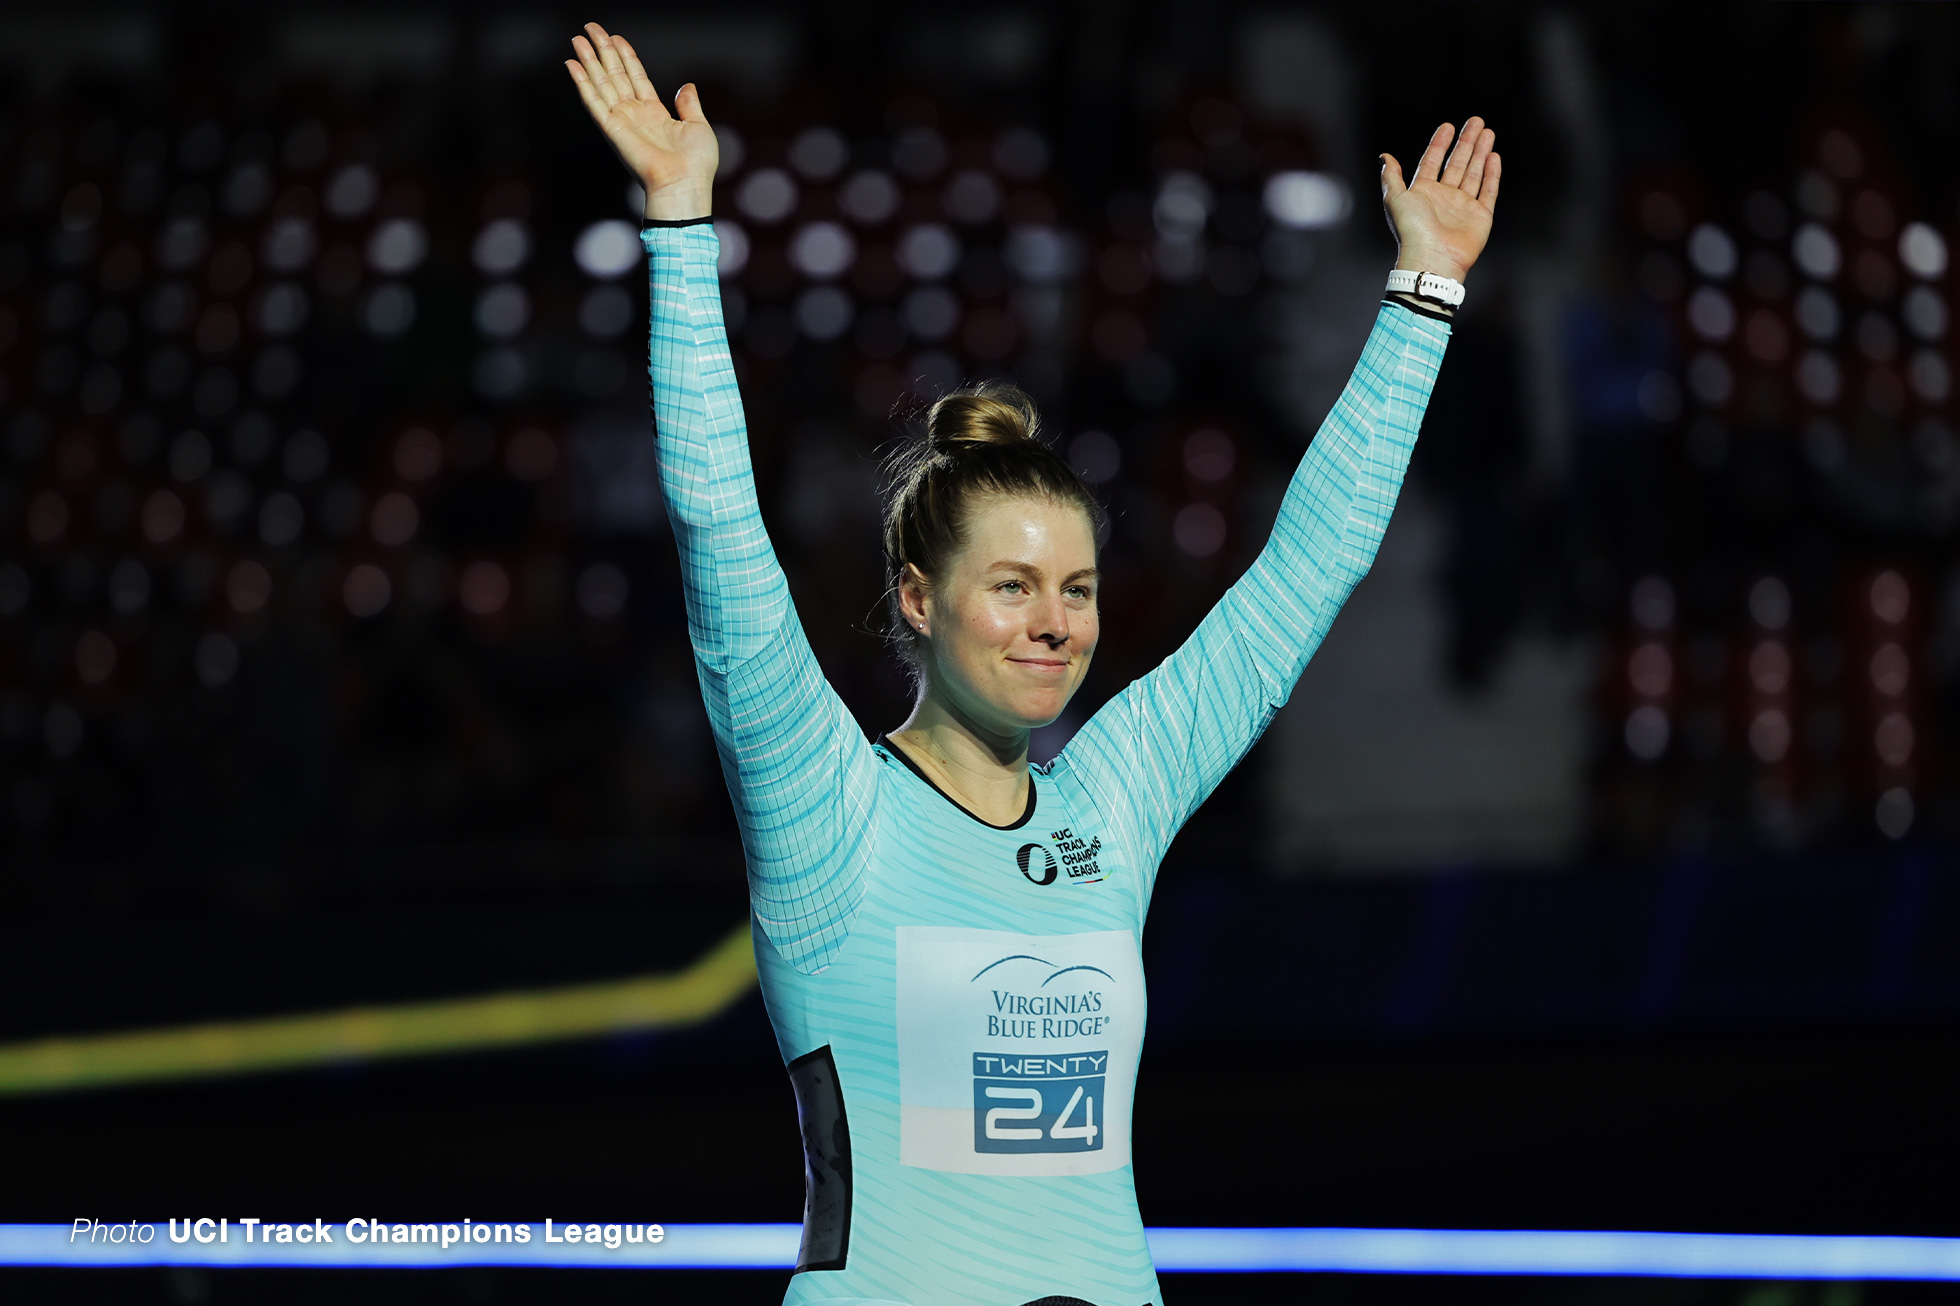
(1011, 624)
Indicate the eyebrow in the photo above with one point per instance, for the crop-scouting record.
(1028, 568)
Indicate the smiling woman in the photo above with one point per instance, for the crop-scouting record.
(947, 937)
(990, 538)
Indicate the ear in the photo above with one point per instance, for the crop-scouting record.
(913, 590)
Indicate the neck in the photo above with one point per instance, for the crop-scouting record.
(985, 770)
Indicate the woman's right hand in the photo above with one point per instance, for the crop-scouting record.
(673, 154)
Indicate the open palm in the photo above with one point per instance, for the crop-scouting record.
(1442, 219)
(673, 154)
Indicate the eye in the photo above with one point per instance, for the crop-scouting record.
(1013, 586)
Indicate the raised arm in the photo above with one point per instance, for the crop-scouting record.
(798, 767)
(1155, 751)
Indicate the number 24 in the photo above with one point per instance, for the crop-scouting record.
(1086, 1131)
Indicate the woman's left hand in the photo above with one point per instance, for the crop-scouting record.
(1442, 218)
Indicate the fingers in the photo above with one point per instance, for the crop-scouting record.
(1473, 175)
(635, 71)
(1493, 168)
(687, 104)
(1430, 165)
(1466, 141)
(1392, 184)
(594, 104)
(595, 72)
(608, 54)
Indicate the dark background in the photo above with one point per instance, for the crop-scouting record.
(342, 657)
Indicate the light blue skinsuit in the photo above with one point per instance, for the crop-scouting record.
(961, 1004)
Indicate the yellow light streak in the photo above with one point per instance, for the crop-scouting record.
(687, 997)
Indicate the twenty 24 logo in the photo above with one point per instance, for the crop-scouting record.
(1037, 863)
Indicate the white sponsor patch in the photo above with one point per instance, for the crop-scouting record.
(1017, 1053)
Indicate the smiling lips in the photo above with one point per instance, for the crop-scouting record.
(1042, 664)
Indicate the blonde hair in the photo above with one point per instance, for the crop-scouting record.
(981, 439)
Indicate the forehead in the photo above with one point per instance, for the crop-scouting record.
(1032, 529)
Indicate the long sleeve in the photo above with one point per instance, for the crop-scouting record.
(799, 769)
(1153, 753)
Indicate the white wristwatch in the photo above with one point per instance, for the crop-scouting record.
(1427, 285)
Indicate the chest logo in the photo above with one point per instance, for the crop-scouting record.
(1074, 858)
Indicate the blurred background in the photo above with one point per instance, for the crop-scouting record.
(1600, 873)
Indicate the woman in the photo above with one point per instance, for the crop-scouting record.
(947, 936)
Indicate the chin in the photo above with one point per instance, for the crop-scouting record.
(1043, 711)
(1022, 706)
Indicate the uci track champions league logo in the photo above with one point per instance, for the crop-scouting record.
(1041, 1101)
(1078, 858)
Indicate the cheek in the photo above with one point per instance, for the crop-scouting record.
(976, 635)
(1085, 628)
(984, 627)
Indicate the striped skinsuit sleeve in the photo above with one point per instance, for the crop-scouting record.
(801, 773)
(1156, 750)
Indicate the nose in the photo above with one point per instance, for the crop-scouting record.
(1049, 624)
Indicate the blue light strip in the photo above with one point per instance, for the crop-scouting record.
(1493, 1251)
(1185, 1251)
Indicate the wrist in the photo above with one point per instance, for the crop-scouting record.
(1425, 291)
(1412, 259)
(678, 202)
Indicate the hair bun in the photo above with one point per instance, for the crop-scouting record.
(990, 412)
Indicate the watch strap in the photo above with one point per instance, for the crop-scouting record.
(1426, 285)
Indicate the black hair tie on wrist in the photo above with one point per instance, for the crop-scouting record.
(1399, 300)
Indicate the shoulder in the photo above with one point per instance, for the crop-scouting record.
(1071, 773)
